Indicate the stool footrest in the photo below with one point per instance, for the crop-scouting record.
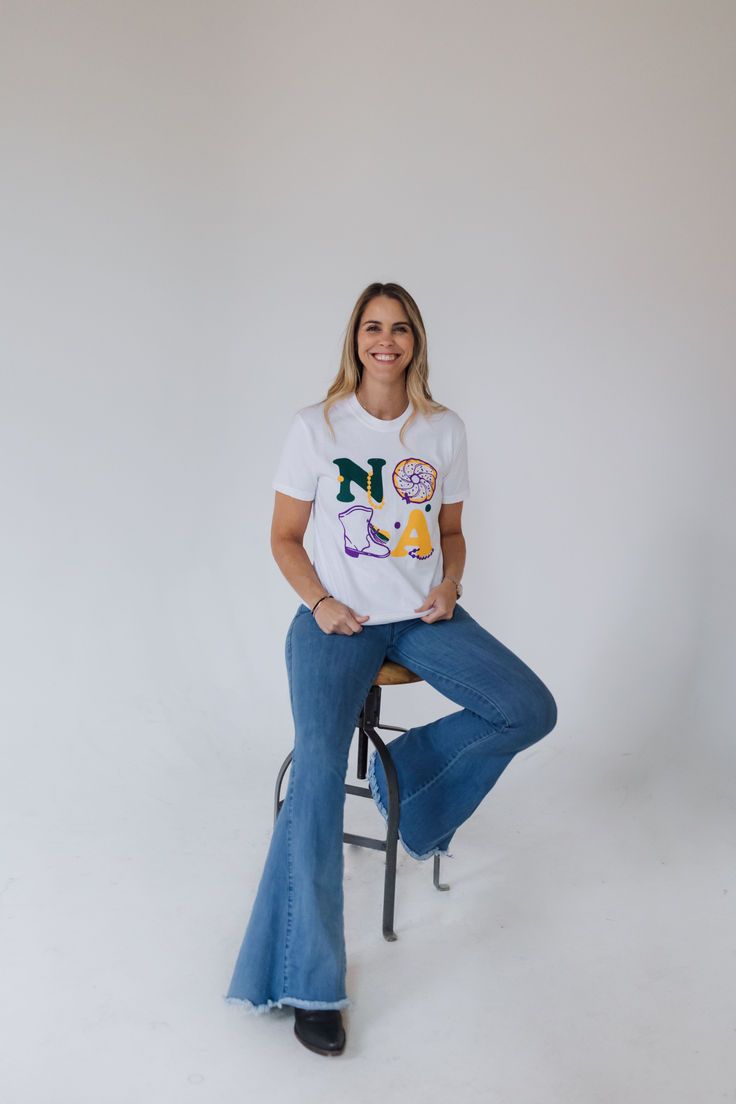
(359, 791)
(364, 841)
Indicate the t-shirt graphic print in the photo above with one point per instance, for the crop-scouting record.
(376, 501)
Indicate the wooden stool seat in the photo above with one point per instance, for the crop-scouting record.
(394, 674)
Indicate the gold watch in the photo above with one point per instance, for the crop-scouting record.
(458, 586)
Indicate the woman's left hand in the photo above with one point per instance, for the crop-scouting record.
(441, 600)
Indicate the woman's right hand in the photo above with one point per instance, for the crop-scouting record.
(335, 617)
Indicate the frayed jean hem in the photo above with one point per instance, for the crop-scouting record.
(373, 786)
(291, 1002)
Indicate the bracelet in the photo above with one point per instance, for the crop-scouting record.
(320, 600)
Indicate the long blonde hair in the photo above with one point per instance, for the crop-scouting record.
(350, 371)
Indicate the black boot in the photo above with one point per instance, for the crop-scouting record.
(320, 1029)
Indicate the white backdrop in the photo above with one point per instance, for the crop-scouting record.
(194, 194)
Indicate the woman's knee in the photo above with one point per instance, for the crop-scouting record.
(534, 711)
(542, 711)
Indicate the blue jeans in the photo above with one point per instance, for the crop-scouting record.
(293, 951)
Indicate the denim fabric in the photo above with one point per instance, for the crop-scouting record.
(293, 951)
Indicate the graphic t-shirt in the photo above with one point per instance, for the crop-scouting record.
(376, 501)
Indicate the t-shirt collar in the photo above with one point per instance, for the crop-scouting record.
(380, 424)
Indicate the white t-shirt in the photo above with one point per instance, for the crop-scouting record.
(376, 501)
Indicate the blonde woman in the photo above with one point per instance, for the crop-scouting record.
(383, 470)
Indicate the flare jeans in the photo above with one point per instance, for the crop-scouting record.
(293, 951)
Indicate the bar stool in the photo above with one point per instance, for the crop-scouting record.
(369, 719)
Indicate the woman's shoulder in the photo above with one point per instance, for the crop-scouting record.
(314, 412)
(312, 417)
(307, 412)
(446, 419)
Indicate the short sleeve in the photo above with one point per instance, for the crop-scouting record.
(295, 472)
(456, 484)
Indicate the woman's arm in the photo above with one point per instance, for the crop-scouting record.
(289, 524)
(452, 540)
(441, 600)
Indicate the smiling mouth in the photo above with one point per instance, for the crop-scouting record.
(385, 358)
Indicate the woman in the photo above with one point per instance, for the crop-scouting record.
(384, 468)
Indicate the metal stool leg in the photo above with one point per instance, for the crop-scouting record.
(392, 835)
(368, 722)
(436, 874)
(392, 832)
(277, 802)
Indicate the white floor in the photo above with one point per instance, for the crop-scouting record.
(584, 952)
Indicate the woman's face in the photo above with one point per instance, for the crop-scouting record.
(385, 339)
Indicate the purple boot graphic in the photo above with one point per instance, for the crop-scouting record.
(360, 535)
